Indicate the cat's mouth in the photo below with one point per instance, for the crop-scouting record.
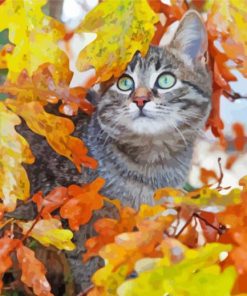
(144, 114)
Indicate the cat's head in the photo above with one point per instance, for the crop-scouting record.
(165, 92)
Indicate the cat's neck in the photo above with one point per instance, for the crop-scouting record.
(148, 158)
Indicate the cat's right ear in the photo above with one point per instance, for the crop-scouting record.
(191, 36)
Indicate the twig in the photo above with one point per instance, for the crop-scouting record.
(221, 229)
(185, 226)
(33, 225)
(234, 96)
(221, 174)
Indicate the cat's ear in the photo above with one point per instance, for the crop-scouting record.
(191, 36)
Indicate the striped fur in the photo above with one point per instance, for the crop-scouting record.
(138, 155)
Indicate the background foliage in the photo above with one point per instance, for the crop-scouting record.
(155, 250)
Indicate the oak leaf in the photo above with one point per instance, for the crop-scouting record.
(7, 246)
(49, 232)
(14, 150)
(235, 217)
(107, 229)
(52, 201)
(200, 198)
(225, 25)
(34, 40)
(126, 250)
(56, 130)
(122, 28)
(37, 76)
(198, 267)
(33, 272)
(82, 202)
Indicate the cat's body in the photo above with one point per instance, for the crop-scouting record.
(136, 163)
(143, 130)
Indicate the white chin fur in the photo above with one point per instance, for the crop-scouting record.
(147, 126)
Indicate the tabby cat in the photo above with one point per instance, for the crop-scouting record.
(142, 132)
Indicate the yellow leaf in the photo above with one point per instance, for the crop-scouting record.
(56, 129)
(38, 73)
(109, 279)
(167, 191)
(197, 271)
(122, 28)
(49, 232)
(14, 150)
(200, 198)
(147, 211)
(35, 37)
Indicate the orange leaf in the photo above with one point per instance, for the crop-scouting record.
(207, 175)
(57, 131)
(2, 210)
(33, 272)
(107, 229)
(42, 87)
(173, 13)
(239, 141)
(7, 246)
(83, 201)
(214, 120)
(131, 246)
(54, 200)
(209, 233)
(230, 161)
(243, 182)
(6, 50)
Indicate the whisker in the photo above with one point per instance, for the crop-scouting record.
(180, 133)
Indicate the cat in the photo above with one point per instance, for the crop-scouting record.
(142, 132)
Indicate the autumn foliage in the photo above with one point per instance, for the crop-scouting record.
(159, 249)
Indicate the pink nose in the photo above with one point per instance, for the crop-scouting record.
(141, 96)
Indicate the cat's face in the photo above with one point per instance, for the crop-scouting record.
(167, 91)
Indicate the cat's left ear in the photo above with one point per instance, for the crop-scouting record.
(191, 36)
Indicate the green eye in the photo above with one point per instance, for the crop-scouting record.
(125, 83)
(165, 80)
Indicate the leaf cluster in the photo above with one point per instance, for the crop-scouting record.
(155, 250)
